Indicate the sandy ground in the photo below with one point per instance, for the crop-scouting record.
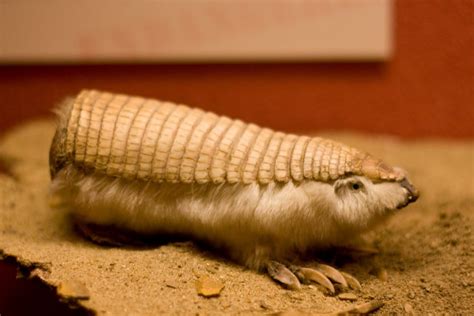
(425, 264)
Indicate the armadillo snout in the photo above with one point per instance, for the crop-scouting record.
(413, 193)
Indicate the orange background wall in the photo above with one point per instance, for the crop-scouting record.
(426, 89)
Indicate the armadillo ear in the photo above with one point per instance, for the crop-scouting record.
(339, 186)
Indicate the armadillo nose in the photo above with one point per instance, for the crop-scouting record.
(413, 193)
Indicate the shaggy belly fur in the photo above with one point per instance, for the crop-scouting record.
(254, 223)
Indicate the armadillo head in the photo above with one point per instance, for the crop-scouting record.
(374, 191)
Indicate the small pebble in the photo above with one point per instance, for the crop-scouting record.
(411, 295)
(264, 305)
(382, 275)
(408, 308)
(210, 270)
(347, 297)
(454, 242)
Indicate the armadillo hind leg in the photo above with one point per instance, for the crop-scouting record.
(109, 235)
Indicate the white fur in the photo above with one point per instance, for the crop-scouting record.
(254, 223)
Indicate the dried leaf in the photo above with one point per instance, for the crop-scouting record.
(73, 289)
(208, 287)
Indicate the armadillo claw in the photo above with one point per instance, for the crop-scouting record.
(332, 273)
(307, 274)
(352, 281)
(291, 276)
(283, 275)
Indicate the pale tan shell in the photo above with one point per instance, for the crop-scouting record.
(137, 138)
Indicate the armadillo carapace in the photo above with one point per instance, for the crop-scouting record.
(263, 196)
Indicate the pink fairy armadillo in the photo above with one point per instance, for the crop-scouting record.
(265, 197)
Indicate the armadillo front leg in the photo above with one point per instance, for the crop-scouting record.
(291, 276)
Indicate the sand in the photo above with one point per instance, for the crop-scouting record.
(425, 263)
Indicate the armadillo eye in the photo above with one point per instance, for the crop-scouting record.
(356, 186)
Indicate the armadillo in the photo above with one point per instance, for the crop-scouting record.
(261, 196)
